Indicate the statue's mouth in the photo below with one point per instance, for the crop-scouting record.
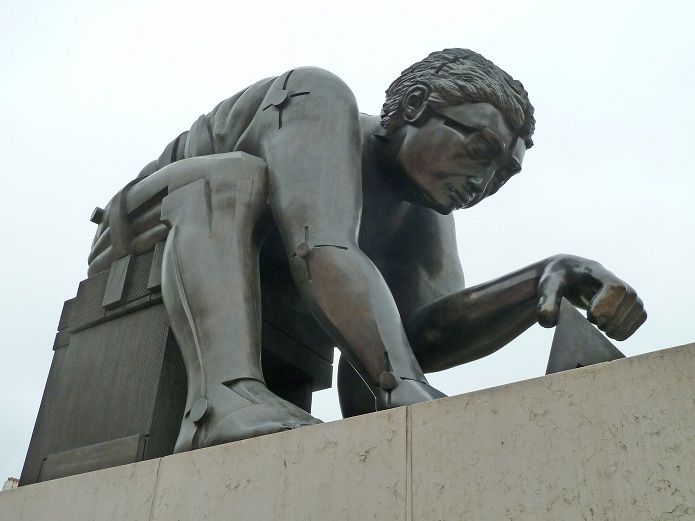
(462, 197)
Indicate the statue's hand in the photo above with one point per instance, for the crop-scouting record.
(610, 302)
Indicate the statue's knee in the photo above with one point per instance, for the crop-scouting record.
(223, 187)
(229, 171)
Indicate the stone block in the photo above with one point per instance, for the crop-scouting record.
(614, 441)
(118, 494)
(352, 469)
(609, 442)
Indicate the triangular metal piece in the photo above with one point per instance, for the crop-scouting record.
(577, 343)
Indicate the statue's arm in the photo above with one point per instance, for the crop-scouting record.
(448, 325)
(314, 168)
(471, 323)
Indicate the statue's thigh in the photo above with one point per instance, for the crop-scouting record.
(221, 173)
(142, 201)
(181, 173)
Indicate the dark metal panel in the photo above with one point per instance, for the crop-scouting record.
(93, 457)
(298, 393)
(65, 317)
(130, 307)
(62, 339)
(170, 404)
(87, 305)
(137, 286)
(109, 380)
(294, 355)
(42, 435)
(115, 291)
(284, 308)
(154, 279)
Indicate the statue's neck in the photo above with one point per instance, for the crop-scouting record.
(379, 158)
(380, 180)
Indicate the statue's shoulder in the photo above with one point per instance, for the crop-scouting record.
(312, 73)
(305, 78)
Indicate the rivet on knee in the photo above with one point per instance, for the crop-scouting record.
(302, 250)
(199, 410)
(387, 380)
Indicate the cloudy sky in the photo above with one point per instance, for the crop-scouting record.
(92, 91)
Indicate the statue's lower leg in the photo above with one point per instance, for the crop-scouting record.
(359, 397)
(210, 287)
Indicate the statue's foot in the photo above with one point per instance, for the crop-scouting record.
(406, 392)
(242, 409)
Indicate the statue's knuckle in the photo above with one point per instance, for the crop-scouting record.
(595, 266)
(619, 288)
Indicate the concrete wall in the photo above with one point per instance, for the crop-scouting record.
(614, 441)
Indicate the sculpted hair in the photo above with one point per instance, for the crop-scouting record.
(456, 76)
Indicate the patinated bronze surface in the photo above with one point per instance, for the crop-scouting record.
(287, 180)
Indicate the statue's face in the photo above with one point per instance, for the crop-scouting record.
(459, 155)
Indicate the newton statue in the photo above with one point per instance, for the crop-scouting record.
(350, 216)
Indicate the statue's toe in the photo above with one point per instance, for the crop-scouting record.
(407, 392)
(239, 410)
(254, 420)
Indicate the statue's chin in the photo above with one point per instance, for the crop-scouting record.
(409, 190)
(422, 198)
(433, 204)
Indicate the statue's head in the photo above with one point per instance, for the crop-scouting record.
(461, 126)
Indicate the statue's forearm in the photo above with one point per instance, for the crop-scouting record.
(352, 302)
(475, 322)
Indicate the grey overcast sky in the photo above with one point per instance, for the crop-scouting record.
(92, 91)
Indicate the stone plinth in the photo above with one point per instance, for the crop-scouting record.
(613, 441)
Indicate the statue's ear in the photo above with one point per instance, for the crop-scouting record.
(414, 104)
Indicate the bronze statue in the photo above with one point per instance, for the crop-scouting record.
(358, 209)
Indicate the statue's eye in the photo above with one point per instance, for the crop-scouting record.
(460, 127)
(483, 147)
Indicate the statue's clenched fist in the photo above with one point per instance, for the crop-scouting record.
(610, 302)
